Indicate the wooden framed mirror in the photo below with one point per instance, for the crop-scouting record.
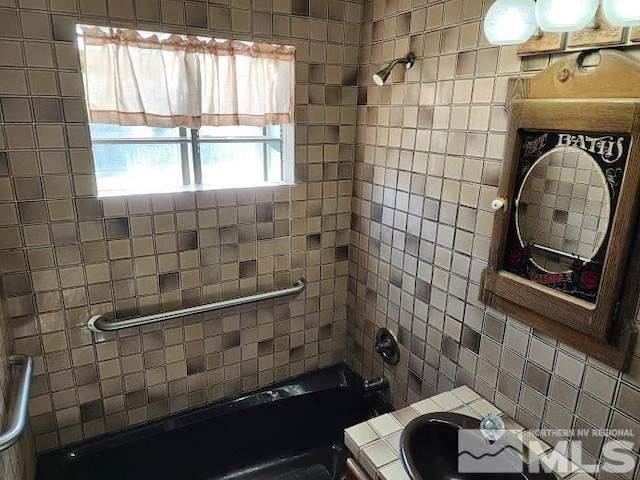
(565, 246)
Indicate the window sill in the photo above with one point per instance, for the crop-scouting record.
(188, 188)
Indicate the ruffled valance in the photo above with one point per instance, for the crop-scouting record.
(168, 80)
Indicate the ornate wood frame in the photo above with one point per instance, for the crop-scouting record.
(603, 35)
(567, 97)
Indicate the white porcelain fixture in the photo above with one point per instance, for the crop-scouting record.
(510, 22)
(565, 15)
(622, 13)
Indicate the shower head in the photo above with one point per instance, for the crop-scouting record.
(408, 60)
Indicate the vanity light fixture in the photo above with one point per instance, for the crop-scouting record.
(565, 15)
(622, 13)
(408, 60)
(510, 22)
(513, 22)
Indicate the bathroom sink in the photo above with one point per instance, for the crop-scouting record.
(429, 445)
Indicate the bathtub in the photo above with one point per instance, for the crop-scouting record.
(287, 431)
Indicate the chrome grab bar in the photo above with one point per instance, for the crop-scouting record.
(20, 411)
(100, 323)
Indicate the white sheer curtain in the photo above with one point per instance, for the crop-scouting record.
(161, 80)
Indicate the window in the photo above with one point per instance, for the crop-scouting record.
(172, 112)
(140, 159)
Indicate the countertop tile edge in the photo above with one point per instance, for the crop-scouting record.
(460, 400)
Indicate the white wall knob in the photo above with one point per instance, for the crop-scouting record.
(499, 204)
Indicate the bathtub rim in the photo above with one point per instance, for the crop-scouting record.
(338, 376)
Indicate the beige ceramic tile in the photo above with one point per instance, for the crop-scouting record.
(361, 434)
(379, 454)
(385, 425)
(394, 471)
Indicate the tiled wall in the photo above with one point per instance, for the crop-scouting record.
(428, 153)
(66, 254)
(18, 461)
(428, 160)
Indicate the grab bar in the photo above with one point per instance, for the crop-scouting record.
(21, 407)
(100, 323)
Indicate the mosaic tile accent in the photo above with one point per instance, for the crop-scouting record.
(429, 146)
(66, 255)
(401, 235)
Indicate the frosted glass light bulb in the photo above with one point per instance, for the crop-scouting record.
(622, 13)
(510, 22)
(565, 15)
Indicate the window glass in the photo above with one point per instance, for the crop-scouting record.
(274, 163)
(232, 164)
(138, 168)
(103, 130)
(235, 131)
(131, 160)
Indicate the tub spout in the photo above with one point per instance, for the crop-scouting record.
(375, 384)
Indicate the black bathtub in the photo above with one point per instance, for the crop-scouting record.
(288, 431)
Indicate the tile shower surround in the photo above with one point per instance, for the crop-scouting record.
(427, 160)
(429, 147)
(18, 461)
(65, 253)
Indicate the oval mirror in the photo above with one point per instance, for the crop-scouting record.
(563, 209)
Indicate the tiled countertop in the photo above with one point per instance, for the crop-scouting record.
(375, 444)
